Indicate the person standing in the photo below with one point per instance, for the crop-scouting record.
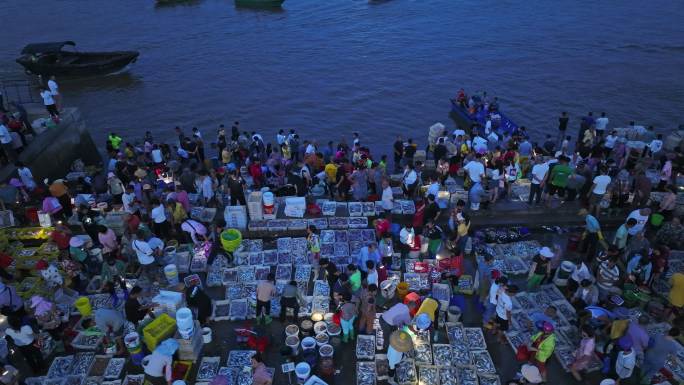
(601, 124)
(539, 171)
(265, 292)
(584, 352)
(291, 298)
(49, 103)
(562, 124)
(504, 306)
(540, 269)
(598, 190)
(387, 199)
(25, 175)
(54, 91)
(6, 142)
(626, 359)
(348, 315)
(235, 185)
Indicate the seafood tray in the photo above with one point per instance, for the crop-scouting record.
(365, 347)
(569, 334)
(482, 361)
(246, 274)
(73, 379)
(354, 235)
(234, 290)
(459, 354)
(270, 257)
(114, 368)
(355, 248)
(221, 310)
(381, 366)
(134, 379)
(365, 373)
(368, 235)
(428, 375)
(394, 275)
(455, 332)
(208, 368)
(489, 379)
(303, 287)
(284, 258)
(341, 249)
(517, 338)
(258, 225)
(552, 292)
(520, 320)
(319, 223)
(214, 278)
(329, 208)
(249, 290)
(441, 354)
(321, 288)
(99, 366)
(244, 378)
(341, 236)
(86, 342)
(327, 250)
(411, 265)
(566, 310)
(368, 209)
(301, 258)
(82, 363)
(34, 380)
(261, 273)
(240, 358)
(303, 273)
(441, 292)
(467, 375)
(280, 285)
(284, 244)
(448, 376)
(321, 305)
(524, 302)
(515, 265)
(198, 265)
(306, 308)
(112, 382)
(355, 209)
(358, 222)
(338, 222)
(413, 280)
(238, 309)
(422, 353)
(61, 367)
(327, 236)
(277, 225)
(256, 258)
(565, 356)
(92, 381)
(284, 272)
(406, 372)
(54, 381)
(297, 224)
(241, 258)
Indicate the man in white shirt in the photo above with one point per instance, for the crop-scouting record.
(54, 90)
(598, 189)
(127, 199)
(387, 198)
(475, 169)
(655, 146)
(6, 141)
(407, 237)
(479, 144)
(49, 103)
(207, 188)
(26, 176)
(410, 180)
(601, 124)
(538, 178)
(609, 143)
(156, 155)
(641, 216)
(143, 250)
(433, 188)
(504, 307)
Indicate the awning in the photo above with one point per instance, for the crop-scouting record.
(46, 47)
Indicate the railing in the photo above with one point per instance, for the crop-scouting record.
(19, 91)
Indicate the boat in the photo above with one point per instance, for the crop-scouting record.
(259, 3)
(50, 59)
(466, 120)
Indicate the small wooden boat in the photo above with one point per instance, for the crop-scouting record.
(259, 3)
(50, 59)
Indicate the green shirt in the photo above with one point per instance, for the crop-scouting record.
(78, 253)
(546, 347)
(560, 174)
(355, 281)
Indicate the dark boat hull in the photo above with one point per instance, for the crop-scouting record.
(73, 64)
(466, 121)
(259, 3)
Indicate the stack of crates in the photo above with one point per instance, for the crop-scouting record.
(190, 349)
(255, 205)
(158, 330)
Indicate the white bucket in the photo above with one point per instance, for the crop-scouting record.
(171, 273)
(269, 201)
(170, 255)
(303, 371)
(293, 343)
(322, 339)
(388, 288)
(326, 350)
(453, 313)
(184, 319)
(206, 335)
(308, 344)
(291, 330)
(186, 334)
(320, 327)
(132, 340)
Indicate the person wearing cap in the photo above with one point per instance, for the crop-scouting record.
(543, 345)
(158, 366)
(626, 359)
(400, 342)
(540, 269)
(584, 353)
(504, 306)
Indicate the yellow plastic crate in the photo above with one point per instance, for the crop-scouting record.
(158, 330)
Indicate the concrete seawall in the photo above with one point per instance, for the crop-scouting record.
(52, 152)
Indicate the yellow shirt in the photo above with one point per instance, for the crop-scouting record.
(463, 229)
(429, 307)
(331, 172)
(179, 214)
(677, 291)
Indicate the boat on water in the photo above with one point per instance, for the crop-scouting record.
(259, 3)
(51, 59)
(466, 119)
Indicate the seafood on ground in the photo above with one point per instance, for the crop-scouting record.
(428, 375)
(365, 373)
(114, 368)
(60, 367)
(208, 368)
(365, 347)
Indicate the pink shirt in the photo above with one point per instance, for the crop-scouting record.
(586, 348)
(108, 241)
(261, 376)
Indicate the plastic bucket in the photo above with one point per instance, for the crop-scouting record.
(306, 327)
(293, 343)
(170, 255)
(388, 288)
(320, 327)
(328, 318)
(171, 273)
(326, 350)
(184, 319)
(334, 331)
(291, 330)
(303, 371)
(132, 342)
(269, 202)
(566, 270)
(657, 219)
(453, 313)
(231, 239)
(206, 335)
(402, 290)
(83, 306)
(322, 339)
(308, 344)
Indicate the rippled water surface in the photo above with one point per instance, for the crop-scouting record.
(331, 67)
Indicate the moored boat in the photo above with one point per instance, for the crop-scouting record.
(50, 59)
(466, 119)
(259, 3)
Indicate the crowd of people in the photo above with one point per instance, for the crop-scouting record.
(156, 184)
